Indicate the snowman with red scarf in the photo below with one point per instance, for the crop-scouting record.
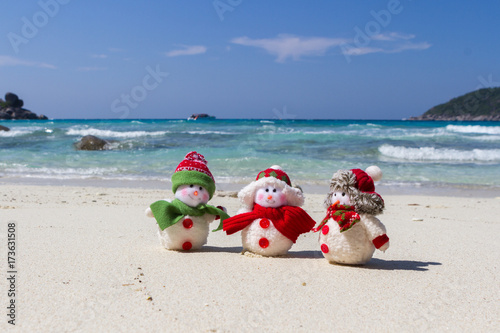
(271, 219)
(350, 232)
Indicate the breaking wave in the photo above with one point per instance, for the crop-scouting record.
(474, 129)
(19, 131)
(113, 134)
(440, 154)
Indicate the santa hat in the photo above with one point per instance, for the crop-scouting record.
(360, 186)
(273, 176)
(193, 170)
(365, 179)
(276, 172)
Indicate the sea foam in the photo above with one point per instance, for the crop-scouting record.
(113, 134)
(19, 131)
(474, 129)
(440, 154)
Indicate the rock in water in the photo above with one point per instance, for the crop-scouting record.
(3, 128)
(90, 142)
(11, 99)
(11, 108)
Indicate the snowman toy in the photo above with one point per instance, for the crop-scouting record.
(271, 219)
(183, 223)
(350, 232)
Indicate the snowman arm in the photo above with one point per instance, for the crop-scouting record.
(376, 231)
(209, 218)
(149, 212)
(243, 210)
(217, 217)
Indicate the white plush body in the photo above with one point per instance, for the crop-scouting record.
(252, 235)
(353, 246)
(173, 237)
(267, 192)
(185, 234)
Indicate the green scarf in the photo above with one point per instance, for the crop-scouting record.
(169, 213)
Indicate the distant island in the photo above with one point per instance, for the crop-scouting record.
(479, 105)
(12, 108)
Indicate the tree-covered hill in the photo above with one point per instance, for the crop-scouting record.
(479, 105)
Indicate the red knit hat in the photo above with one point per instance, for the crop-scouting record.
(276, 172)
(193, 170)
(194, 162)
(365, 181)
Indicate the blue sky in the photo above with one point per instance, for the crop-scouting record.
(246, 58)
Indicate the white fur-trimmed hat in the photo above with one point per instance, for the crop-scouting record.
(273, 176)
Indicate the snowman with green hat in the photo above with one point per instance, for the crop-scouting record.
(183, 223)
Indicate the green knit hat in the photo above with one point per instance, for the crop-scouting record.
(193, 170)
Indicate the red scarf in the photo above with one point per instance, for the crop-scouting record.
(291, 221)
(345, 216)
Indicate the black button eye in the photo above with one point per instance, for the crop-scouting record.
(274, 190)
(267, 190)
(201, 188)
(191, 185)
(334, 194)
(343, 194)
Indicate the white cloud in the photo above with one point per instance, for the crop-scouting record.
(295, 47)
(91, 69)
(392, 42)
(99, 56)
(289, 46)
(357, 51)
(187, 50)
(392, 36)
(11, 61)
(411, 46)
(115, 49)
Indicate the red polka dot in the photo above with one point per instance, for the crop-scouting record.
(324, 248)
(263, 242)
(264, 223)
(187, 246)
(187, 223)
(325, 230)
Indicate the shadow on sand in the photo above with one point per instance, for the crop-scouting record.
(399, 265)
(374, 263)
(236, 249)
(289, 255)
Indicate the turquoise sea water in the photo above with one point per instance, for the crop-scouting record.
(411, 154)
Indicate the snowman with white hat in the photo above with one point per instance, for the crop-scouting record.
(183, 223)
(271, 219)
(350, 232)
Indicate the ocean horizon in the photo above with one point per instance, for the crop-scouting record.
(413, 155)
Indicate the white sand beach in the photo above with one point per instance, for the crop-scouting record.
(89, 260)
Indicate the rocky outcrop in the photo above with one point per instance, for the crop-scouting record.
(3, 128)
(479, 105)
(465, 117)
(12, 108)
(90, 142)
